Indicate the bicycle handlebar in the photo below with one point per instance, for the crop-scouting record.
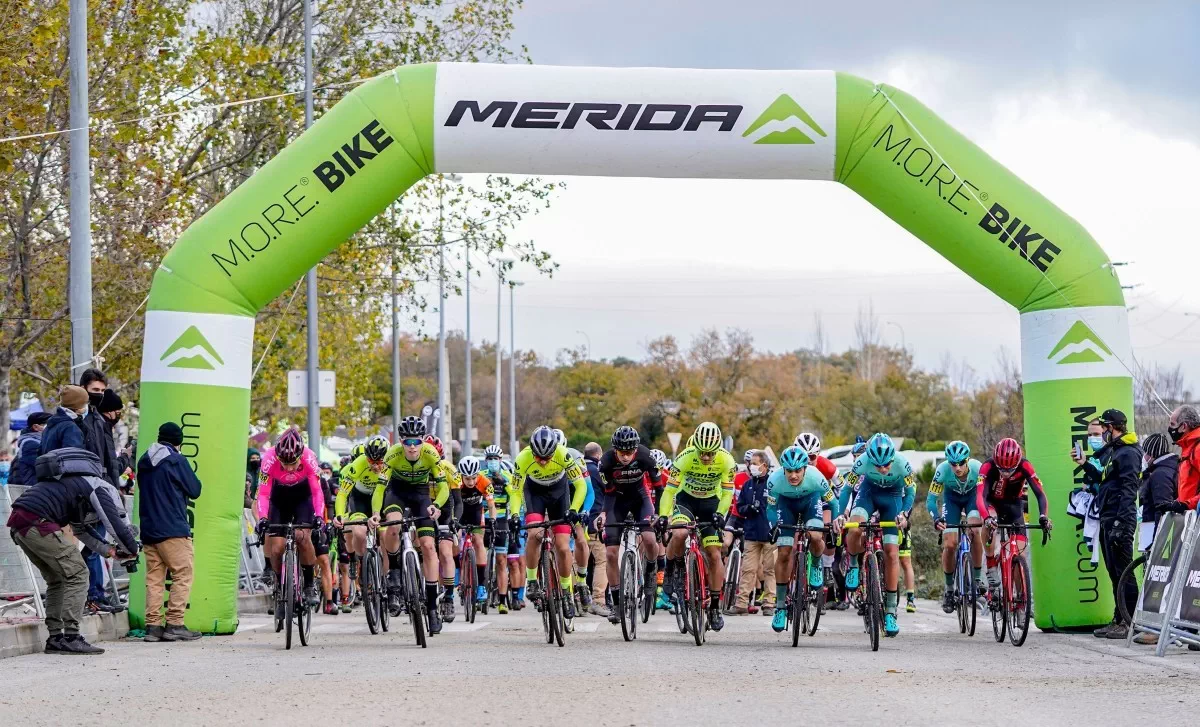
(544, 524)
(1045, 532)
(869, 523)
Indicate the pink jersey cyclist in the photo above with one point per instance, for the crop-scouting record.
(290, 495)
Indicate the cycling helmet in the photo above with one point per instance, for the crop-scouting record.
(1007, 454)
(880, 450)
(809, 442)
(357, 451)
(793, 458)
(506, 465)
(1156, 445)
(707, 437)
(411, 428)
(660, 458)
(493, 451)
(543, 442)
(375, 448)
(344, 461)
(957, 452)
(561, 436)
(625, 439)
(437, 444)
(860, 445)
(468, 467)
(290, 446)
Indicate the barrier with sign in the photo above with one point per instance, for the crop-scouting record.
(1169, 602)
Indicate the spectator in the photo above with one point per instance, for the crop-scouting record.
(28, 444)
(760, 552)
(1184, 428)
(1122, 458)
(1158, 489)
(64, 428)
(41, 526)
(253, 464)
(5, 467)
(592, 452)
(97, 433)
(110, 409)
(167, 483)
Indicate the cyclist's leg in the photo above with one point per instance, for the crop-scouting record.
(557, 504)
(446, 549)
(888, 506)
(952, 514)
(993, 551)
(613, 515)
(535, 512)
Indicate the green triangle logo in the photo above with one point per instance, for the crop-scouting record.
(784, 109)
(1166, 551)
(1080, 345)
(192, 351)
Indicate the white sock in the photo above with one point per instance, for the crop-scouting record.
(827, 560)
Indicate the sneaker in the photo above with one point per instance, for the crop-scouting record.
(599, 609)
(1146, 639)
(153, 634)
(569, 609)
(779, 623)
(662, 602)
(740, 610)
(890, 626)
(534, 592)
(179, 632)
(54, 644)
(435, 622)
(841, 606)
(448, 607)
(1103, 631)
(911, 605)
(768, 610)
(852, 578)
(74, 644)
(345, 607)
(715, 620)
(583, 594)
(331, 608)
(481, 594)
(1119, 631)
(311, 597)
(816, 575)
(947, 602)
(502, 607)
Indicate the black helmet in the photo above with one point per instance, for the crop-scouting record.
(411, 427)
(625, 438)
(376, 448)
(543, 442)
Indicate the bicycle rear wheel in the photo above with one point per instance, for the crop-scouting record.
(381, 601)
(733, 576)
(1133, 573)
(1020, 605)
(999, 609)
(798, 593)
(557, 600)
(415, 594)
(489, 580)
(289, 595)
(695, 599)
(961, 591)
(548, 621)
(370, 581)
(304, 614)
(646, 599)
(627, 597)
(874, 611)
(817, 596)
(467, 577)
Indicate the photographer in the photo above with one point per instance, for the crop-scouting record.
(70, 488)
(165, 484)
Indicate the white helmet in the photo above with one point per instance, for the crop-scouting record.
(809, 442)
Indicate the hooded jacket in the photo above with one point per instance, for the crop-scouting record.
(1158, 485)
(29, 445)
(63, 430)
(752, 508)
(166, 483)
(1122, 459)
(1189, 468)
(97, 438)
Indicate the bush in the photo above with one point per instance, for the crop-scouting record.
(936, 445)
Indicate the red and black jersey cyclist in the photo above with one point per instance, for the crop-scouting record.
(1002, 481)
(626, 473)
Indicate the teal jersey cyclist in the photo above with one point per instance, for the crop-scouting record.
(955, 483)
(886, 487)
(797, 494)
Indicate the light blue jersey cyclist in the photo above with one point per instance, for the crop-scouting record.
(787, 503)
(958, 493)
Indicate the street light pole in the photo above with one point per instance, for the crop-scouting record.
(903, 339)
(80, 268)
(395, 354)
(500, 265)
(443, 367)
(512, 369)
(467, 374)
(310, 283)
(589, 343)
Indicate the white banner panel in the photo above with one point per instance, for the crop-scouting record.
(635, 122)
(1075, 343)
(198, 348)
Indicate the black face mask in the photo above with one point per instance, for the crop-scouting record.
(254, 465)
(1176, 433)
(94, 398)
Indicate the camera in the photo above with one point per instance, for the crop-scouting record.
(130, 565)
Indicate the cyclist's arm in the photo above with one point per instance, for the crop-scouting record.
(264, 492)
(727, 487)
(910, 494)
(579, 488)
(830, 503)
(516, 494)
(981, 490)
(1039, 492)
(667, 502)
(442, 493)
(490, 496)
(339, 503)
(931, 500)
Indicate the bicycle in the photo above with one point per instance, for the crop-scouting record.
(291, 608)
(373, 588)
(1134, 573)
(733, 570)
(634, 599)
(489, 573)
(412, 596)
(964, 592)
(466, 570)
(804, 603)
(553, 603)
(1012, 607)
(870, 589)
(689, 607)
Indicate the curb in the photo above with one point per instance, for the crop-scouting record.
(30, 638)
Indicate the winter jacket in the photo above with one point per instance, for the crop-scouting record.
(1158, 485)
(752, 507)
(29, 443)
(165, 484)
(1189, 468)
(1122, 459)
(593, 471)
(98, 438)
(81, 496)
(63, 430)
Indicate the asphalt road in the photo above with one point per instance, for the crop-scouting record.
(500, 671)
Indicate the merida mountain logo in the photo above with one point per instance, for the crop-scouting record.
(192, 351)
(783, 118)
(1080, 345)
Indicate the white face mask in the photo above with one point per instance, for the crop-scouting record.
(756, 470)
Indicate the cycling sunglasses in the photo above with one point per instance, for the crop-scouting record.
(413, 442)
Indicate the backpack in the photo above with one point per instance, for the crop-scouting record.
(67, 461)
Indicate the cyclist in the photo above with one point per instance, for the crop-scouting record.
(955, 482)
(1002, 481)
(476, 489)
(414, 471)
(797, 490)
(704, 472)
(656, 490)
(811, 444)
(447, 523)
(886, 486)
(499, 478)
(551, 486)
(626, 471)
(360, 497)
(579, 548)
(516, 540)
(289, 491)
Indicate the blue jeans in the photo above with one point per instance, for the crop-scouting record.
(95, 570)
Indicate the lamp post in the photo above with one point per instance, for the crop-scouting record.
(903, 340)
(589, 343)
(467, 373)
(512, 368)
(502, 263)
(443, 396)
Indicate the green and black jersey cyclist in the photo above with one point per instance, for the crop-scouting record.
(551, 485)
(360, 497)
(414, 470)
(885, 486)
(498, 533)
(699, 489)
(955, 483)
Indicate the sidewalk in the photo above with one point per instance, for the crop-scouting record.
(18, 639)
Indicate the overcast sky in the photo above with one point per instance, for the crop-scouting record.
(1094, 104)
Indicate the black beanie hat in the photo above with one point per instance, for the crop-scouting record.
(170, 433)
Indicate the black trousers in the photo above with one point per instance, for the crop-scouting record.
(1116, 545)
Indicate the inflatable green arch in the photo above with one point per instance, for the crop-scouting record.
(419, 120)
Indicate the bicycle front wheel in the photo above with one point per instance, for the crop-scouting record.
(1132, 575)
(415, 594)
(628, 597)
(999, 608)
(381, 600)
(695, 599)
(289, 596)
(1020, 604)
(733, 576)
(874, 614)
(370, 581)
(468, 583)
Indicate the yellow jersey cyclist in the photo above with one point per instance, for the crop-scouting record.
(699, 489)
(360, 497)
(551, 485)
(448, 519)
(886, 486)
(414, 471)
